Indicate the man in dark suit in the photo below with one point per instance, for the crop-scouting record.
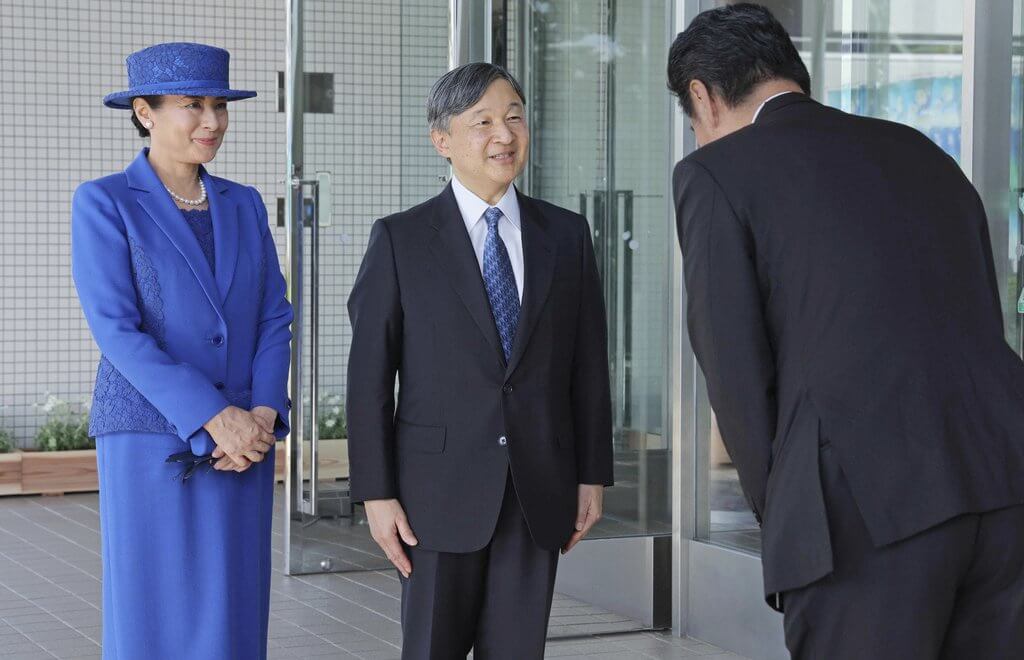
(843, 305)
(487, 304)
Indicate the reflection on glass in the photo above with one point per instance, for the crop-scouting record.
(1013, 293)
(899, 60)
(376, 148)
(594, 75)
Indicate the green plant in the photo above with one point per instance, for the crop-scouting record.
(6, 442)
(331, 418)
(64, 429)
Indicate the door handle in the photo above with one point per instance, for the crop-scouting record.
(321, 216)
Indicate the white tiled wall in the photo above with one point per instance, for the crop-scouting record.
(57, 60)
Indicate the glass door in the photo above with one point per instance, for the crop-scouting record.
(594, 75)
(901, 61)
(352, 94)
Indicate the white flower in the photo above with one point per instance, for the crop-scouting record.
(51, 403)
(330, 423)
(335, 410)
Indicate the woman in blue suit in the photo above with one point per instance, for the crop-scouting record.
(179, 280)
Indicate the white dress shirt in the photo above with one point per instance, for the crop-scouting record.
(510, 228)
(773, 96)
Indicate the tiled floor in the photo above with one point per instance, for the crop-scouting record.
(50, 596)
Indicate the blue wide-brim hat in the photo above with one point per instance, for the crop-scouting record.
(177, 68)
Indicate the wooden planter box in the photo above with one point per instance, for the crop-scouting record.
(10, 473)
(48, 472)
(55, 472)
(58, 472)
(333, 460)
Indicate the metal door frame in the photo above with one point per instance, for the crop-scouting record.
(294, 147)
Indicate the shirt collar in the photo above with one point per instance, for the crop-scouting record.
(472, 207)
(773, 96)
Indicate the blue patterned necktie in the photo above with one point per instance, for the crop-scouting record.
(500, 281)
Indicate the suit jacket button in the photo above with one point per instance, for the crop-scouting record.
(507, 389)
(502, 441)
(217, 340)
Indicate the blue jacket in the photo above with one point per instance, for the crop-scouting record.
(178, 344)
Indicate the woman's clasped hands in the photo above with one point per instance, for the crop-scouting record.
(243, 437)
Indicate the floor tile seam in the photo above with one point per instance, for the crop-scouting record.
(29, 639)
(318, 636)
(57, 534)
(50, 554)
(354, 627)
(347, 577)
(299, 578)
(55, 512)
(61, 587)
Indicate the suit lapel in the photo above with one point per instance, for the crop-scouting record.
(453, 250)
(539, 267)
(153, 198)
(224, 212)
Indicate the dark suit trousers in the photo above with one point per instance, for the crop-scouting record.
(495, 601)
(953, 592)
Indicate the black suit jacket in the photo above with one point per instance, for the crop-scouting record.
(419, 309)
(841, 290)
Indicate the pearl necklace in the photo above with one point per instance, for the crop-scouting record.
(190, 202)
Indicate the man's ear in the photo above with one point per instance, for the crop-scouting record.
(705, 105)
(440, 140)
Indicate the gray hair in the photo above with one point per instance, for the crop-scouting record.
(460, 89)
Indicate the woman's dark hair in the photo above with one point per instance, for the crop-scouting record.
(732, 49)
(154, 102)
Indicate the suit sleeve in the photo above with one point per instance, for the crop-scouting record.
(273, 352)
(591, 389)
(728, 331)
(375, 311)
(101, 267)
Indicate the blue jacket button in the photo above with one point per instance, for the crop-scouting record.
(217, 340)
(219, 385)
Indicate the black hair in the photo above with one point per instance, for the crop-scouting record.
(731, 50)
(154, 102)
(461, 88)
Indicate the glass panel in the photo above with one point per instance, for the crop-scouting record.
(901, 61)
(1008, 256)
(594, 78)
(897, 60)
(368, 130)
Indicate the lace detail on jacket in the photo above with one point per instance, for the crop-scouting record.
(117, 405)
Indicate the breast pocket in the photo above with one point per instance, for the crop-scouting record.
(419, 438)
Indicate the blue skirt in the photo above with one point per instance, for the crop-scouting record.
(186, 565)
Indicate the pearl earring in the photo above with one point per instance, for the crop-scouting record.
(149, 124)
